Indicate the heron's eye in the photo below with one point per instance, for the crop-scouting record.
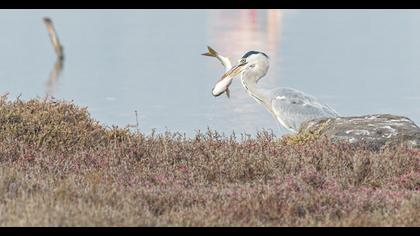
(252, 66)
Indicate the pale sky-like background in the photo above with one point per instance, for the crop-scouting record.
(118, 61)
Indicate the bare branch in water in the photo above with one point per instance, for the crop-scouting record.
(54, 38)
(58, 66)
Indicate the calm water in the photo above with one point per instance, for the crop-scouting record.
(118, 61)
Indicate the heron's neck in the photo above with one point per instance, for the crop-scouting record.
(250, 85)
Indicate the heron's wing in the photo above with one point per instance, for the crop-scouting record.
(293, 107)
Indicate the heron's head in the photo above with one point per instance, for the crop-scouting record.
(253, 64)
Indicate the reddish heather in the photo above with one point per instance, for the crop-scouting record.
(58, 167)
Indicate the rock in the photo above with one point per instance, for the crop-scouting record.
(374, 130)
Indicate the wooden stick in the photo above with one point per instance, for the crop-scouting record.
(54, 38)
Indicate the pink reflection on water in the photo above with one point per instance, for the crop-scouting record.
(234, 32)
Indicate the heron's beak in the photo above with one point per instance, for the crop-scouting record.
(234, 71)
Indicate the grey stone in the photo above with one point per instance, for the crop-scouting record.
(374, 130)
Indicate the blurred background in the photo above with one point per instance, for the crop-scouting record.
(121, 61)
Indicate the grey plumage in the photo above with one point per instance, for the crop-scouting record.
(292, 107)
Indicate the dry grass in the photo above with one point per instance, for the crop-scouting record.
(58, 167)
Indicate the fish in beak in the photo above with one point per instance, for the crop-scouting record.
(210, 53)
(224, 60)
(234, 71)
(224, 82)
(223, 86)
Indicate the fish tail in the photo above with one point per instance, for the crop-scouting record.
(210, 53)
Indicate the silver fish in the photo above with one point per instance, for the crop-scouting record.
(223, 83)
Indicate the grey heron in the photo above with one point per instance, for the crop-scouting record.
(289, 106)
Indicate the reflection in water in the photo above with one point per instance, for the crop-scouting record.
(239, 31)
(273, 26)
(52, 81)
(346, 58)
(58, 66)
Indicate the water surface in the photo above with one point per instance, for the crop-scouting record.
(119, 61)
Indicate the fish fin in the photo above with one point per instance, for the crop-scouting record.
(210, 53)
(228, 92)
(207, 54)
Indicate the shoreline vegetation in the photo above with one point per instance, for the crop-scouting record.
(60, 167)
